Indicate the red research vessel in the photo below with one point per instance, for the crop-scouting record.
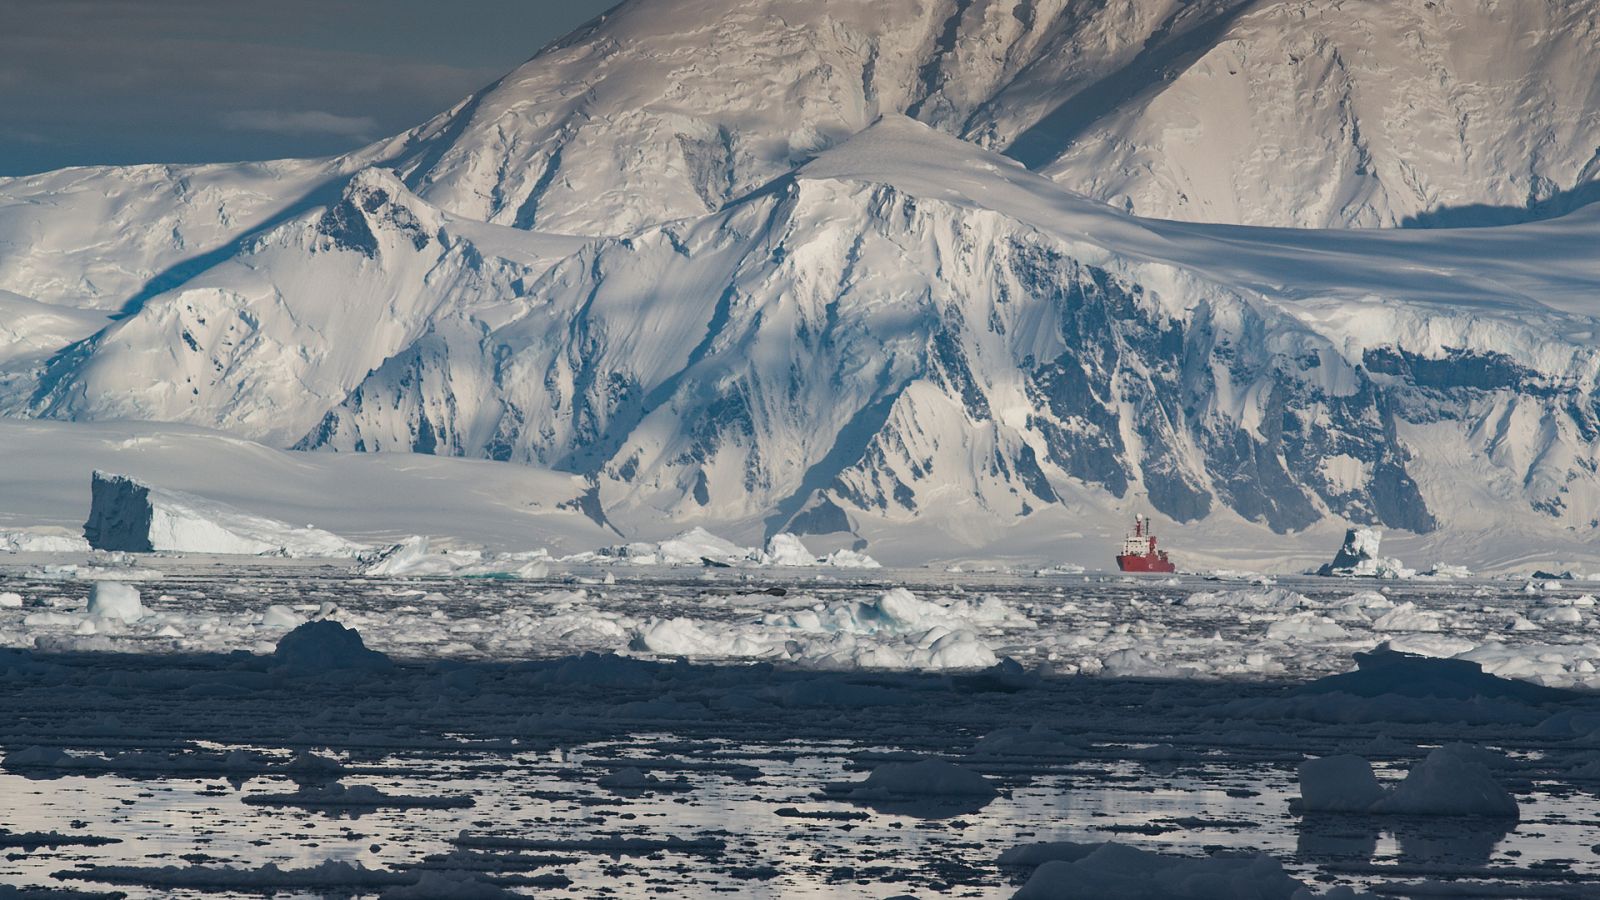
(1139, 553)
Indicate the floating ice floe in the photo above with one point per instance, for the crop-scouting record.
(129, 515)
(329, 875)
(1358, 558)
(1306, 626)
(699, 547)
(1268, 598)
(1450, 781)
(1392, 686)
(419, 557)
(1406, 617)
(630, 780)
(1338, 784)
(455, 885)
(925, 788)
(1059, 569)
(1037, 741)
(896, 630)
(325, 646)
(280, 616)
(335, 796)
(1385, 671)
(922, 778)
(1558, 615)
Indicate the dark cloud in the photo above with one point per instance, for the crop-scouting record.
(311, 121)
(124, 81)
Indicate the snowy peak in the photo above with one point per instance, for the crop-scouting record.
(376, 202)
(897, 146)
(1196, 110)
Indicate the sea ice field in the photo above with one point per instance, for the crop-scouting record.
(190, 727)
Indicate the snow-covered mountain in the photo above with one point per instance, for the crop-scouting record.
(899, 337)
(1310, 113)
(843, 267)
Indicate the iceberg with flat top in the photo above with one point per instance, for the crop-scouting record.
(126, 514)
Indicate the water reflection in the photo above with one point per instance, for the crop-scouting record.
(1442, 841)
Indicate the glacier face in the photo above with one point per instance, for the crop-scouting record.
(716, 272)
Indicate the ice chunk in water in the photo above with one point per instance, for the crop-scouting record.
(1450, 782)
(115, 600)
(323, 647)
(1338, 784)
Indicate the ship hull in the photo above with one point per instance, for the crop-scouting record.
(1128, 562)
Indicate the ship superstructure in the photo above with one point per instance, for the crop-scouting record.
(1139, 553)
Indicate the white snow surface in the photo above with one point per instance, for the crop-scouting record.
(1336, 296)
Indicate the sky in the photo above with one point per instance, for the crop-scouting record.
(86, 82)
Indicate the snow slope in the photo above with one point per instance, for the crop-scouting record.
(264, 342)
(1331, 114)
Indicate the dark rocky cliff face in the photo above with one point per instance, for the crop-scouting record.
(119, 514)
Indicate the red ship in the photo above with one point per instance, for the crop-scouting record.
(1139, 553)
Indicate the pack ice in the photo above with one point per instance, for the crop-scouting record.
(126, 514)
(699, 547)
